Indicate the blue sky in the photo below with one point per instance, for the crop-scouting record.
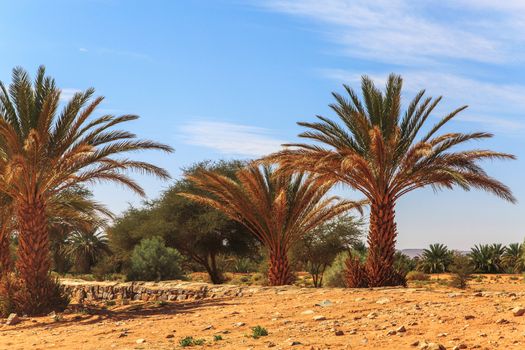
(229, 79)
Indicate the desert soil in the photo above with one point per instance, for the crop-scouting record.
(479, 317)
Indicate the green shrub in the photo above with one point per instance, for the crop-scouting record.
(217, 337)
(188, 341)
(152, 260)
(334, 276)
(462, 269)
(417, 276)
(258, 332)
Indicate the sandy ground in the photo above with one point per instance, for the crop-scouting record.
(366, 319)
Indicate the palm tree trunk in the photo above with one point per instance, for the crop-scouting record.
(382, 242)
(279, 272)
(33, 261)
(6, 263)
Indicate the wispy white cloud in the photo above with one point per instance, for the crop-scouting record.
(230, 139)
(68, 93)
(407, 32)
(117, 52)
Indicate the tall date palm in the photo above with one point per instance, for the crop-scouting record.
(277, 208)
(380, 153)
(44, 151)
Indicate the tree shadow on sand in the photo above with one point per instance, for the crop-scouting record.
(92, 314)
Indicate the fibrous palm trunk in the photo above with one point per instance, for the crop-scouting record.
(279, 272)
(6, 262)
(33, 261)
(379, 265)
(5, 253)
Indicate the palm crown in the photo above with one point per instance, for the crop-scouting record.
(47, 151)
(379, 153)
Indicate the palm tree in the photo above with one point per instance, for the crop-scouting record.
(277, 208)
(512, 258)
(85, 248)
(44, 152)
(379, 153)
(487, 258)
(436, 258)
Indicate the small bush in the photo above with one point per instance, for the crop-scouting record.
(417, 276)
(462, 269)
(190, 341)
(334, 275)
(151, 260)
(217, 337)
(258, 332)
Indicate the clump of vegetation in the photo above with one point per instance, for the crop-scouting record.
(334, 274)
(513, 258)
(217, 337)
(403, 264)
(318, 248)
(461, 268)
(190, 341)
(417, 276)
(258, 332)
(487, 258)
(435, 259)
(15, 298)
(152, 260)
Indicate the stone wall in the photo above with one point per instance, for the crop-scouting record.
(80, 290)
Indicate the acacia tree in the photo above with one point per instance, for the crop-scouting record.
(382, 154)
(318, 248)
(44, 152)
(277, 208)
(198, 232)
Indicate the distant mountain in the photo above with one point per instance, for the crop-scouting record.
(412, 253)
